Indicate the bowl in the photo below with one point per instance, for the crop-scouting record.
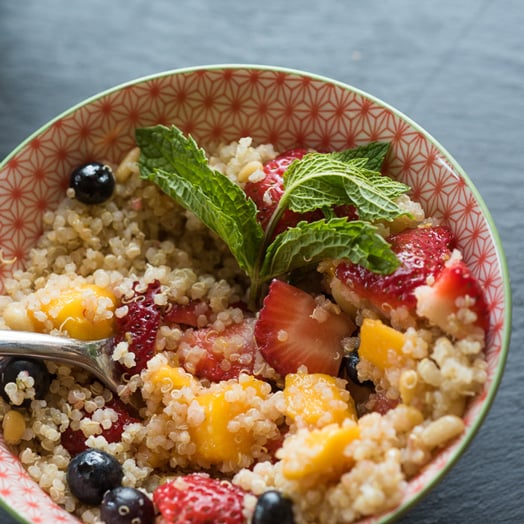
(283, 107)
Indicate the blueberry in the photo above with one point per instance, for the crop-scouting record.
(273, 508)
(348, 369)
(10, 369)
(93, 183)
(91, 473)
(126, 506)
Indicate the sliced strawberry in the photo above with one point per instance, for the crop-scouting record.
(198, 498)
(379, 403)
(278, 166)
(294, 330)
(140, 326)
(267, 192)
(346, 210)
(422, 253)
(454, 302)
(219, 355)
(74, 440)
(186, 314)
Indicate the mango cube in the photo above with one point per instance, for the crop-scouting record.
(316, 400)
(13, 426)
(381, 344)
(215, 439)
(319, 453)
(169, 377)
(85, 313)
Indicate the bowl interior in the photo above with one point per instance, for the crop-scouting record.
(283, 107)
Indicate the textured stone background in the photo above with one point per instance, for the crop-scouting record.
(456, 68)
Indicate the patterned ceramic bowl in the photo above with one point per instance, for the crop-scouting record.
(286, 108)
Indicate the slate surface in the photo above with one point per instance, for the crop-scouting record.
(457, 68)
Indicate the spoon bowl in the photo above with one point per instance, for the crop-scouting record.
(93, 355)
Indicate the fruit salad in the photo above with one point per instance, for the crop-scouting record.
(297, 337)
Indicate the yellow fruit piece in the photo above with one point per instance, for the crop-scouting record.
(381, 345)
(316, 400)
(319, 453)
(168, 377)
(82, 312)
(215, 442)
(13, 427)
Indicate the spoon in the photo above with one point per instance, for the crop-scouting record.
(93, 355)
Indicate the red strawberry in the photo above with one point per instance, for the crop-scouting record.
(74, 440)
(219, 355)
(454, 302)
(346, 210)
(422, 253)
(198, 498)
(140, 326)
(292, 330)
(186, 314)
(379, 403)
(266, 193)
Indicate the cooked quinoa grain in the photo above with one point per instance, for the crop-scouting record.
(339, 455)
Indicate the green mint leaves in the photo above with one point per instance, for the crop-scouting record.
(180, 168)
(318, 181)
(311, 242)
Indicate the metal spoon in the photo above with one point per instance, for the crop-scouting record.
(93, 356)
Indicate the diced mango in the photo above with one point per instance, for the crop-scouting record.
(169, 377)
(380, 344)
(318, 453)
(215, 442)
(316, 400)
(75, 311)
(13, 427)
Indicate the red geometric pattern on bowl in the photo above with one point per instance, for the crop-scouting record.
(219, 104)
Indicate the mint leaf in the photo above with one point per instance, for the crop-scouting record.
(315, 182)
(374, 196)
(374, 153)
(311, 242)
(180, 168)
(319, 180)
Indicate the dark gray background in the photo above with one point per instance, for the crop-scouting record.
(454, 66)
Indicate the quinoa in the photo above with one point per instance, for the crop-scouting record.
(140, 237)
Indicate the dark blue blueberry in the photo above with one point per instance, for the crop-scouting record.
(273, 508)
(126, 506)
(11, 367)
(91, 473)
(348, 369)
(93, 183)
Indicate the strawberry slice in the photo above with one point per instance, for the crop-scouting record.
(422, 253)
(140, 326)
(454, 302)
(219, 355)
(186, 314)
(197, 498)
(294, 330)
(380, 403)
(74, 440)
(267, 192)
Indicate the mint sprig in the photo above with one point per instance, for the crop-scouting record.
(311, 242)
(374, 153)
(319, 180)
(179, 167)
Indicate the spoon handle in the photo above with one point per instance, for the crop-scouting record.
(94, 356)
